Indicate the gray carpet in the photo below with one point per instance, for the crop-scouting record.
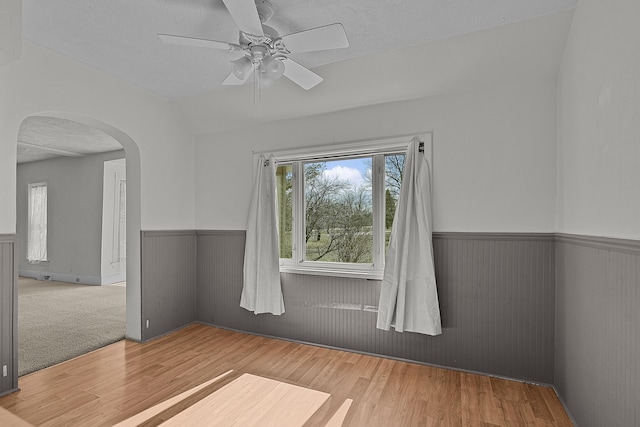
(59, 321)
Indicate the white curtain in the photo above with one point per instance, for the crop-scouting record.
(408, 296)
(37, 238)
(261, 290)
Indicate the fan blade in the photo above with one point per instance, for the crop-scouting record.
(245, 14)
(232, 80)
(321, 38)
(300, 75)
(190, 41)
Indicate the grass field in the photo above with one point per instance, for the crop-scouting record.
(315, 246)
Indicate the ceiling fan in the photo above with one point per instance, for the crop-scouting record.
(264, 52)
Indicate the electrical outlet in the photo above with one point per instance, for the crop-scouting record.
(4, 371)
(147, 323)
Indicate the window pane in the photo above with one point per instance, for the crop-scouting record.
(284, 177)
(393, 167)
(338, 211)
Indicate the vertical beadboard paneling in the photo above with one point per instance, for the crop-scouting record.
(8, 314)
(496, 292)
(168, 281)
(598, 329)
(220, 262)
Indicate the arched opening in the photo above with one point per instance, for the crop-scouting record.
(133, 212)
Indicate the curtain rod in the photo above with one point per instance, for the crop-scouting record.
(346, 144)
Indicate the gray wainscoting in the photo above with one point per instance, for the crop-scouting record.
(8, 314)
(168, 281)
(598, 329)
(220, 261)
(496, 295)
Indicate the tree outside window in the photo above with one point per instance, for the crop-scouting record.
(338, 214)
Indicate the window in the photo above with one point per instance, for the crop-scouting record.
(336, 207)
(37, 223)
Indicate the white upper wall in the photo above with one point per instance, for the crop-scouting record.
(490, 97)
(494, 156)
(599, 118)
(41, 81)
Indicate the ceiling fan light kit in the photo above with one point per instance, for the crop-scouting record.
(241, 68)
(272, 67)
(265, 53)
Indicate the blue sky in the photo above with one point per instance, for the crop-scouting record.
(352, 170)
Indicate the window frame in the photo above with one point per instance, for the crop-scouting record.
(377, 150)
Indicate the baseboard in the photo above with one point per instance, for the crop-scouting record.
(7, 392)
(164, 334)
(383, 356)
(564, 405)
(67, 278)
(115, 278)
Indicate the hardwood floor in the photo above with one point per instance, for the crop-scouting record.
(112, 384)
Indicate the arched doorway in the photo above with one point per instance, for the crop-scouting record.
(133, 217)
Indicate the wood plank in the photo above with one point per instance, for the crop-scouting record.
(151, 412)
(252, 400)
(7, 419)
(341, 414)
(119, 381)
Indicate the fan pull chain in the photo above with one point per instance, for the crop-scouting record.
(256, 89)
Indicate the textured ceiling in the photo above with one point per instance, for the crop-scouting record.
(41, 138)
(120, 36)
(525, 51)
(439, 46)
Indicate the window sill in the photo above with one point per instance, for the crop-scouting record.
(366, 275)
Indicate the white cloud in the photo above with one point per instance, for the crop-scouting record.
(351, 175)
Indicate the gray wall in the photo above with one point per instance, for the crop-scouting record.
(75, 216)
(168, 281)
(598, 329)
(8, 314)
(549, 308)
(496, 295)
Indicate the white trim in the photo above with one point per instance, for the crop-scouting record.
(334, 272)
(299, 245)
(378, 212)
(114, 278)
(362, 147)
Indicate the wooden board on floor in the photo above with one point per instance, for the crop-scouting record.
(117, 382)
(7, 419)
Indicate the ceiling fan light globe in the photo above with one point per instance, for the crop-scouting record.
(272, 67)
(266, 80)
(241, 67)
